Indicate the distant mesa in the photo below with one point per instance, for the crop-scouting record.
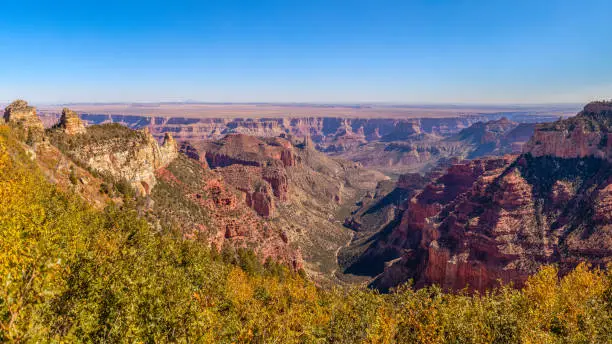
(403, 130)
(599, 107)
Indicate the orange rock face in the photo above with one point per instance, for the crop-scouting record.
(227, 218)
(587, 134)
(495, 220)
(277, 177)
(262, 202)
(254, 166)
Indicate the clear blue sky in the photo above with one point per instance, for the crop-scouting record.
(306, 50)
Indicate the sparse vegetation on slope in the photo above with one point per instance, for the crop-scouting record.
(69, 273)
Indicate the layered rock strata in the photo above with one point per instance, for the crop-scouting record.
(21, 114)
(71, 123)
(495, 221)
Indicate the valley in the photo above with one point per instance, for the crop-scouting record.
(331, 188)
(222, 224)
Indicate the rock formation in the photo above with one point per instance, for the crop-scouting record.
(418, 151)
(187, 149)
(71, 123)
(587, 134)
(206, 206)
(497, 137)
(403, 130)
(497, 220)
(124, 154)
(168, 151)
(21, 114)
(294, 184)
(262, 200)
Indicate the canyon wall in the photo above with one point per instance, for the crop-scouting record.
(497, 220)
(322, 130)
(122, 153)
(587, 134)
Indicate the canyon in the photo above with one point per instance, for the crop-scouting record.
(294, 186)
(496, 220)
(467, 201)
(393, 140)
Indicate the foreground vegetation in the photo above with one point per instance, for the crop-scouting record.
(69, 273)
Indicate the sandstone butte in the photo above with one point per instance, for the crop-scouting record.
(71, 123)
(21, 114)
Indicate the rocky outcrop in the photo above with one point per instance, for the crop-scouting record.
(168, 151)
(247, 150)
(188, 150)
(21, 114)
(205, 206)
(497, 137)
(71, 123)
(278, 180)
(262, 201)
(587, 134)
(122, 153)
(403, 130)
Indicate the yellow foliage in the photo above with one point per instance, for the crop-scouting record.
(384, 328)
(69, 273)
(239, 289)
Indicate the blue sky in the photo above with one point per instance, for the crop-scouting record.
(306, 51)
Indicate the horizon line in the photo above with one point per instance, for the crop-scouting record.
(303, 103)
